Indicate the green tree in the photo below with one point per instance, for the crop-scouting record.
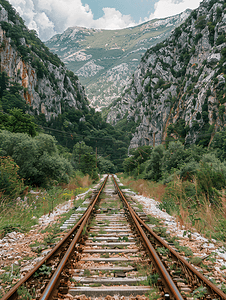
(154, 165)
(211, 176)
(3, 83)
(84, 159)
(37, 157)
(16, 121)
(10, 96)
(174, 156)
(219, 144)
(129, 164)
(110, 141)
(200, 23)
(11, 101)
(133, 164)
(105, 166)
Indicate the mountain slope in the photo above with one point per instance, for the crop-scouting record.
(47, 84)
(105, 59)
(178, 90)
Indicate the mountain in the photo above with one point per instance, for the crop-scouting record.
(37, 81)
(104, 60)
(178, 91)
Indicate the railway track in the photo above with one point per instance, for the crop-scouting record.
(113, 251)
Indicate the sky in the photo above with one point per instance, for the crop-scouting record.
(49, 17)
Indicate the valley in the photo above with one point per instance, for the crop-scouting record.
(104, 60)
(153, 110)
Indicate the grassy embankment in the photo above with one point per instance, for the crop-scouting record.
(200, 214)
(22, 214)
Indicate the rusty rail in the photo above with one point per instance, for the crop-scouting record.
(12, 293)
(49, 290)
(169, 284)
(201, 277)
(208, 284)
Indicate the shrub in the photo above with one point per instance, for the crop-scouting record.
(200, 23)
(10, 182)
(174, 156)
(16, 121)
(177, 32)
(211, 176)
(197, 38)
(188, 170)
(220, 40)
(105, 165)
(219, 144)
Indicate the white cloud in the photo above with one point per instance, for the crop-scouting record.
(166, 8)
(113, 19)
(55, 16)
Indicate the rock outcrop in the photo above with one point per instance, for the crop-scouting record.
(178, 90)
(26, 60)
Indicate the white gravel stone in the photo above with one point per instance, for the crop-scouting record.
(208, 246)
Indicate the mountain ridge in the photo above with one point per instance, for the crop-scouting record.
(104, 60)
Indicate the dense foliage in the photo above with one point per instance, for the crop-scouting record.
(204, 169)
(18, 122)
(10, 94)
(84, 159)
(38, 159)
(105, 166)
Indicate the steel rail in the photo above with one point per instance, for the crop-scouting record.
(12, 293)
(169, 284)
(54, 279)
(208, 283)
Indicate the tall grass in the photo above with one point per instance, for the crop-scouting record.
(21, 214)
(183, 200)
(194, 210)
(84, 181)
(146, 188)
(79, 180)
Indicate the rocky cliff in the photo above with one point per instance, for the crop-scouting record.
(178, 91)
(47, 84)
(104, 60)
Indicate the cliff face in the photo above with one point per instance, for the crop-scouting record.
(178, 90)
(26, 60)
